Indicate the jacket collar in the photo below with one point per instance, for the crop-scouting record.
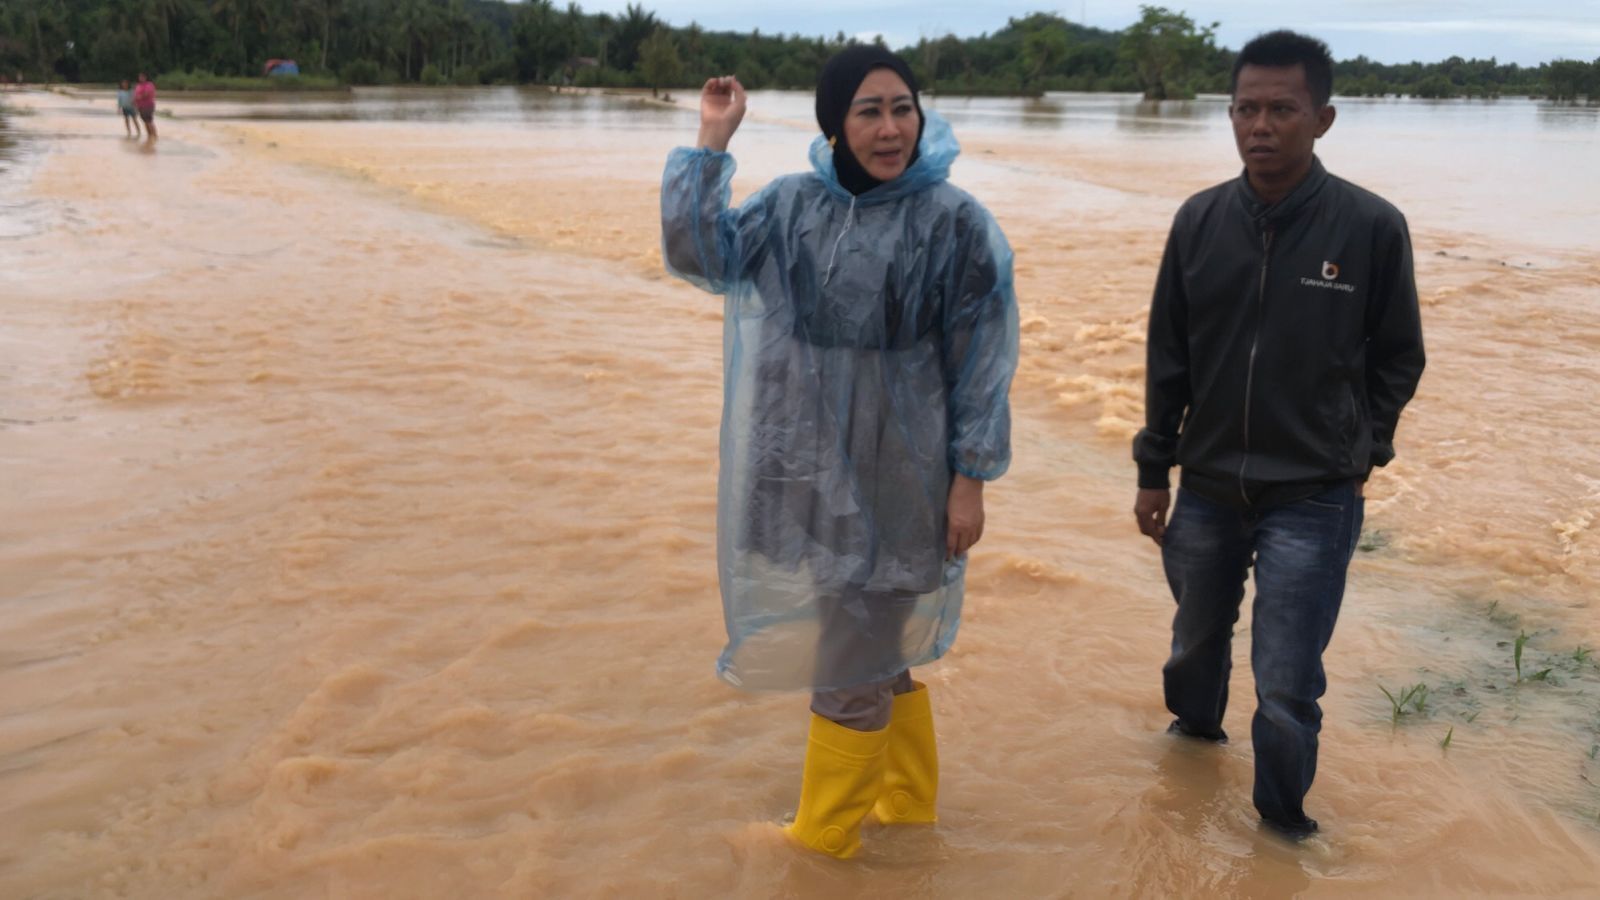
(935, 152)
(1291, 205)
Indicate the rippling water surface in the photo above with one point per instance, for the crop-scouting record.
(358, 509)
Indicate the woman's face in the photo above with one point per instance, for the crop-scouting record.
(881, 127)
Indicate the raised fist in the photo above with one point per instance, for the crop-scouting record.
(721, 111)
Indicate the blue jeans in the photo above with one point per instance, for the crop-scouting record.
(1300, 552)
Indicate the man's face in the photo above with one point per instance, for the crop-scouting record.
(1275, 122)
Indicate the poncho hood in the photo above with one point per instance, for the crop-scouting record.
(936, 151)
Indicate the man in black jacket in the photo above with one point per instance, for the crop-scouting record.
(1284, 341)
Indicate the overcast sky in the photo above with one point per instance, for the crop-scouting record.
(1523, 31)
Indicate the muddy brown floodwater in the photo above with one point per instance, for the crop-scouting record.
(356, 527)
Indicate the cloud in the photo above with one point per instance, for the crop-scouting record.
(1550, 31)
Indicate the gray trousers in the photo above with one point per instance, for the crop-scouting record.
(862, 632)
(865, 707)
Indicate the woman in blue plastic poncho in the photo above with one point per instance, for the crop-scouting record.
(869, 339)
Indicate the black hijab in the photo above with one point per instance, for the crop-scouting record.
(841, 78)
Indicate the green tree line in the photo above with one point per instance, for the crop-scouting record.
(1164, 55)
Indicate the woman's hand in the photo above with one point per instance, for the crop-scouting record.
(721, 111)
(964, 514)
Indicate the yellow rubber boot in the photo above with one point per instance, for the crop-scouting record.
(843, 774)
(911, 772)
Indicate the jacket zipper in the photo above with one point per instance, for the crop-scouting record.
(1255, 343)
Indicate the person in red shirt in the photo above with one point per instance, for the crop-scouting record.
(144, 100)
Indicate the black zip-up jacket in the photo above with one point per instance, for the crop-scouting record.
(1284, 342)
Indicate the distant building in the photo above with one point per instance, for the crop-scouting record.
(280, 67)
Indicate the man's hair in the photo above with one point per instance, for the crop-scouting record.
(1282, 49)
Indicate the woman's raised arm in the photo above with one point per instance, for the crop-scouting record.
(721, 110)
(702, 240)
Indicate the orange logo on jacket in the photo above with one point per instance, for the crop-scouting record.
(1330, 271)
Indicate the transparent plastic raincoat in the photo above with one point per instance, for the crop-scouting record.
(868, 345)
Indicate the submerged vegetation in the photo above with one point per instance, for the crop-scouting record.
(1165, 54)
(1498, 687)
(1410, 699)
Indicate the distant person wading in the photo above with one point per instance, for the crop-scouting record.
(130, 116)
(144, 100)
(870, 339)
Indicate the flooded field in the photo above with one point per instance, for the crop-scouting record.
(356, 533)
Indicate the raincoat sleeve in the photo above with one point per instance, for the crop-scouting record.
(703, 241)
(980, 347)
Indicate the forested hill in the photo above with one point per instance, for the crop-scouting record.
(1165, 54)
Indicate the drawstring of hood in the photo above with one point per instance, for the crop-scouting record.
(849, 219)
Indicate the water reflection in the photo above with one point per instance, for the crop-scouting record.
(18, 217)
(398, 104)
(7, 143)
(1043, 112)
(1569, 114)
(1157, 117)
(1056, 111)
(1081, 113)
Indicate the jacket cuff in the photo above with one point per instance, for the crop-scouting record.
(1382, 453)
(1154, 477)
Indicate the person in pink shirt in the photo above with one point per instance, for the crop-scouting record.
(144, 100)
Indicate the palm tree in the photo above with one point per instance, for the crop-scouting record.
(129, 17)
(49, 30)
(409, 17)
(160, 15)
(366, 24)
(417, 27)
(318, 13)
(458, 28)
(236, 14)
(632, 29)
